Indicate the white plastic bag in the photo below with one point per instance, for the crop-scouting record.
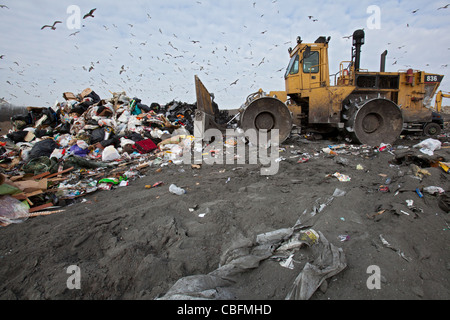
(110, 154)
(176, 190)
(428, 146)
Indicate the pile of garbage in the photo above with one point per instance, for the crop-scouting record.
(84, 144)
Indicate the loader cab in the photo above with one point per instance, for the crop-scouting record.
(308, 67)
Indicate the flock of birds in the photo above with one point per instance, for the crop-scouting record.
(53, 26)
(181, 62)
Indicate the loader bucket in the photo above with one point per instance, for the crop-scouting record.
(207, 111)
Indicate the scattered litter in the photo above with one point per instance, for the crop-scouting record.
(445, 166)
(288, 263)
(388, 245)
(341, 177)
(343, 237)
(433, 190)
(419, 193)
(419, 172)
(383, 147)
(373, 215)
(157, 184)
(176, 190)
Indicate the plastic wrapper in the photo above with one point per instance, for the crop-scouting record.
(12, 210)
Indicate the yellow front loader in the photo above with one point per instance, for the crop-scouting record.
(370, 107)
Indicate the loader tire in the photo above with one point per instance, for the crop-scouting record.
(374, 121)
(267, 113)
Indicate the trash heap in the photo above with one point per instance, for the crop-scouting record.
(84, 144)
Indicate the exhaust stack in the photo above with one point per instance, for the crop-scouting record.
(383, 61)
(358, 41)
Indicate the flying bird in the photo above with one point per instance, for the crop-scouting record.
(52, 26)
(90, 14)
(73, 34)
(444, 7)
(234, 82)
(347, 37)
(415, 11)
(2, 56)
(3, 6)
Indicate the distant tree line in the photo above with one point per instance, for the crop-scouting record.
(8, 110)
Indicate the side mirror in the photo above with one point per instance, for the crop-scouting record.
(307, 52)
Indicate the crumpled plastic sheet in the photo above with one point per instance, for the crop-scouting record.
(330, 261)
(245, 254)
(12, 210)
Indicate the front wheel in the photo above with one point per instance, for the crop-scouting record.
(267, 113)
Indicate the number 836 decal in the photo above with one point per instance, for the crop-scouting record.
(433, 78)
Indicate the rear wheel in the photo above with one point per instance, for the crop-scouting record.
(267, 113)
(374, 121)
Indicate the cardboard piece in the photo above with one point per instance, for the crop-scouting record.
(85, 92)
(69, 96)
(31, 185)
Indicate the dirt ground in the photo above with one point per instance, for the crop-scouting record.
(134, 243)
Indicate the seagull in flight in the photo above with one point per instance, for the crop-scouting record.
(3, 6)
(90, 14)
(444, 7)
(52, 26)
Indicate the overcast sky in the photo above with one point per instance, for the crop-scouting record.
(163, 44)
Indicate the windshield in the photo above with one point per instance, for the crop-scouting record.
(293, 66)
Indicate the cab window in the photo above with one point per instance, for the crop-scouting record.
(311, 63)
(293, 66)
